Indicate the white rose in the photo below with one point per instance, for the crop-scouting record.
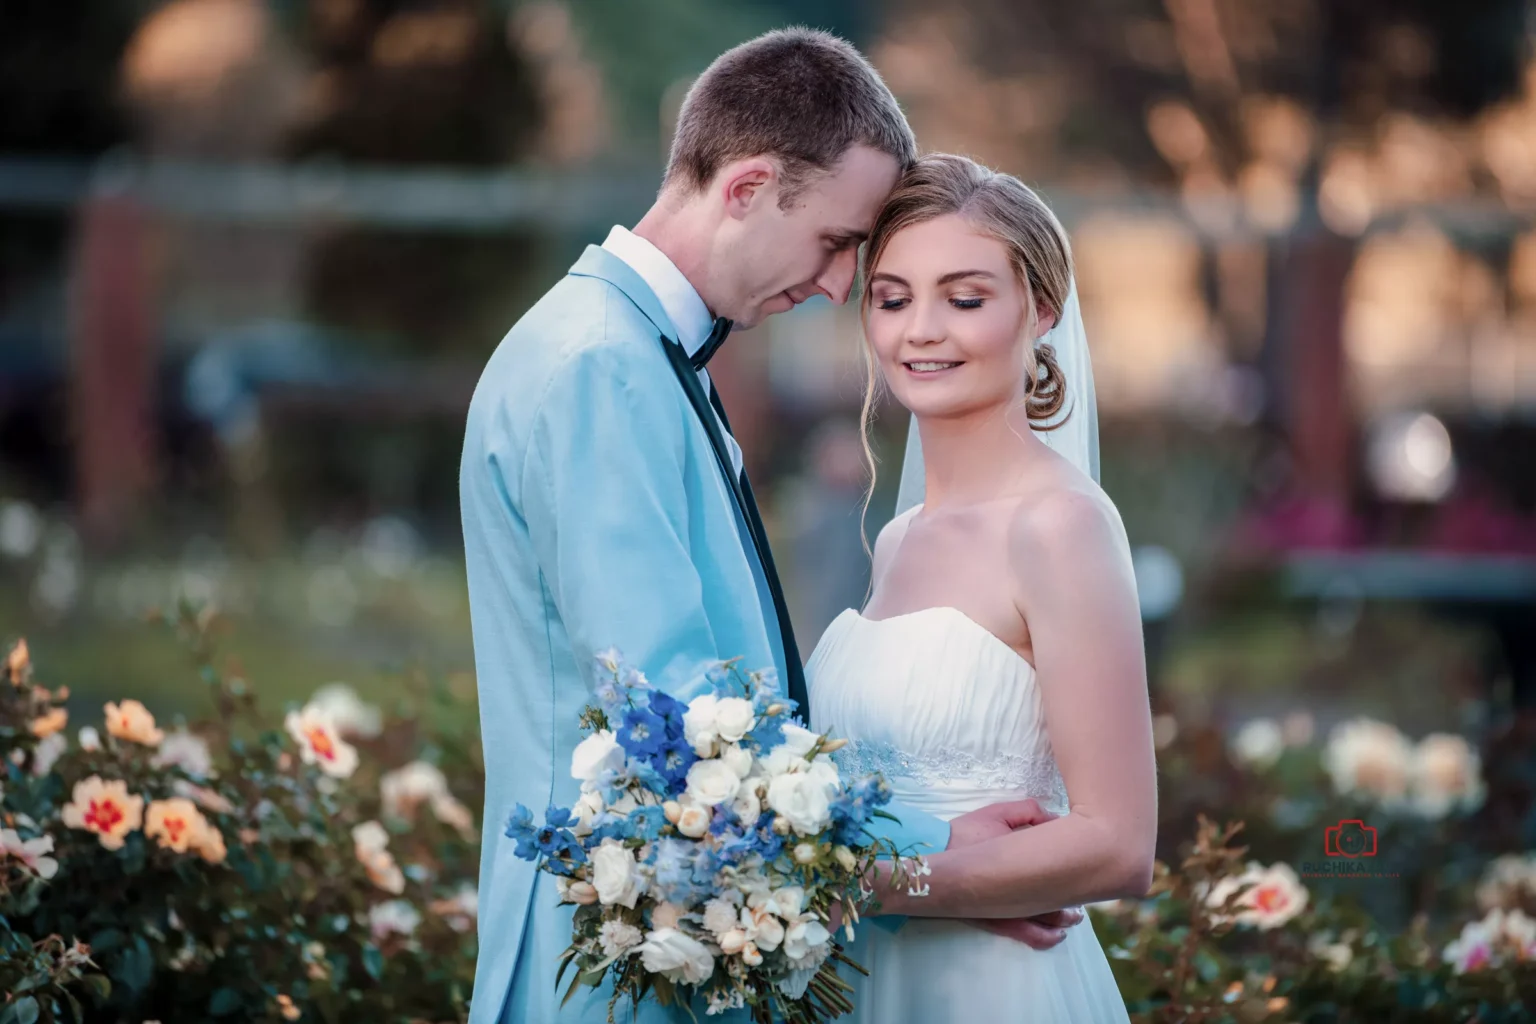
(733, 718)
(746, 807)
(824, 771)
(798, 740)
(681, 958)
(738, 759)
(699, 727)
(762, 928)
(720, 916)
(693, 822)
(615, 874)
(587, 808)
(712, 782)
(595, 755)
(802, 800)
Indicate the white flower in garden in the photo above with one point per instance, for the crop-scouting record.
(132, 721)
(31, 852)
(734, 718)
(738, 759)
(802, 800)
(1507, 880)
(1274, 895)
(724, 1001)
(1337, 955)
(712, 782)
(598, 753)
(88, 738)
(1472, 950)
(1372, 759)
(678, 956)
(105, 808)
(48, 750)
(618, 937)
(460, 910)
(1258, 743)
(615, 874)
(760, 922)
(396, 917)
(370, 837)
(1447, 776)
(185, 750)
(320, 743)
(352, 715)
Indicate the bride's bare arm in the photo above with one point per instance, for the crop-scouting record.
(1070, 554)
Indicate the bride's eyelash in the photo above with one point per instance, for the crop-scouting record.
(966, 303)
(891, 303)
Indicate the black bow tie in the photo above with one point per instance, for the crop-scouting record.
(716, 338)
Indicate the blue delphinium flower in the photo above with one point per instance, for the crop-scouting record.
(611, 696)
(674, 864)
(520, 827)
(673, 762)
(643, 733)
(647, 822)
(671, 710)
(650, 776)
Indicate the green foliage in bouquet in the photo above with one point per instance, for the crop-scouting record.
(234, 870)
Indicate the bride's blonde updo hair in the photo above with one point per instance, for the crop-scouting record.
(1004, 207)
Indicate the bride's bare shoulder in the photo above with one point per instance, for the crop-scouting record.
(1070, 513)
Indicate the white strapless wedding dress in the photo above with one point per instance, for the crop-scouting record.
(952, 717)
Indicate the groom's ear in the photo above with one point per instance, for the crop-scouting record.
(748, 183)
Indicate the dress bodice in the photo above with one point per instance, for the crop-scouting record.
(949, 713)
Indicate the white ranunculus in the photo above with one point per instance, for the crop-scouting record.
(802, 800)
(596, 754)
(746, 807)
(588, 807)
(733, 718)
(712, 782)
(694, 821)
(681, 958)
(699, 727)
(804, 936)
(615, 874)
(738, 759)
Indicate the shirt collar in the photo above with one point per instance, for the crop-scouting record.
(677, 296)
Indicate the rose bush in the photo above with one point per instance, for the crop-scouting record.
(232, 870)
(317, 863)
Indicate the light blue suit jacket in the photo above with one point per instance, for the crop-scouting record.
(595, 515)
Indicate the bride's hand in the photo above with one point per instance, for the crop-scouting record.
(1040, 932)
(996, 820)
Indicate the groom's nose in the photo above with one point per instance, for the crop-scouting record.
(836, 281)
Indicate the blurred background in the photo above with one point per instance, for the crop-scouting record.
(253, 254)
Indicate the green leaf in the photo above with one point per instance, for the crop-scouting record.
(22, 1011)
(225, 1002)
(373, 962)
(575, 984)
(99, 985)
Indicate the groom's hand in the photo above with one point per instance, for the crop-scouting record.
(1043, 930)
(995, 820)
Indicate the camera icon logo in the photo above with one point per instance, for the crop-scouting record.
(1351, 838)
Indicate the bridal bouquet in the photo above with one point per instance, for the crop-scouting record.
(708, 849)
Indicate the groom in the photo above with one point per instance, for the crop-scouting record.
(603, 498)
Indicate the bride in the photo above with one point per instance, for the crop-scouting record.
(999, 655)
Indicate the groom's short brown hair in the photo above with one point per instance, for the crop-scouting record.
(797, 94)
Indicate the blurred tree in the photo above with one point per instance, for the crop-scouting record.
(1263, 115)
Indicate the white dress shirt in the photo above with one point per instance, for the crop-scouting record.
(678, 299)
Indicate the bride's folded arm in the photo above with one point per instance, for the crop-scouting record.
(1078, 595)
